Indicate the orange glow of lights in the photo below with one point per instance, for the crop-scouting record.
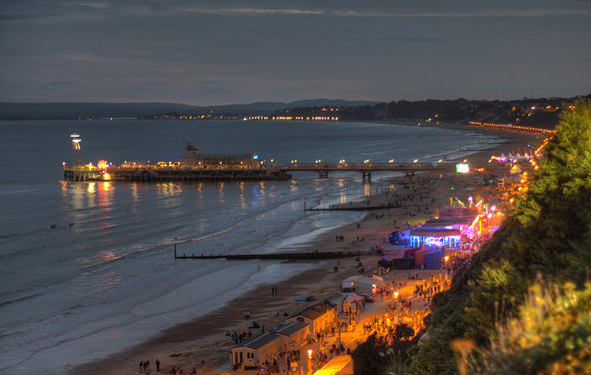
(102, 164)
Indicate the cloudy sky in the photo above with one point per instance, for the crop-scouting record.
(223, 52)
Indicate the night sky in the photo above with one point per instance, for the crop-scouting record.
(224, 52)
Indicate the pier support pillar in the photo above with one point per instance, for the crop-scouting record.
(323, 174)
(366, 177)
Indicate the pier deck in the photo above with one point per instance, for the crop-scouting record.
(226, 173)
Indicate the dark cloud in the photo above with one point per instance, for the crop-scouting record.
(211, 52)
(60, 83)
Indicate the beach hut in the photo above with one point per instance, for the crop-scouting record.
(256, 351)
(433, 260)
(293, 334)
(321, 316)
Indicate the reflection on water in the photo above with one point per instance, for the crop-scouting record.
(134, 193)
(241, 196)
(108, 255)
(293, 186)
(105, 194)
(169, 189)
(258, 194)
(221, 192)
(367, 189)
(89, 285)
(343, 197)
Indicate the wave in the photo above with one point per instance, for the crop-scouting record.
(20, 299)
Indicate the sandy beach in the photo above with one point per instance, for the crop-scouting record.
(203, 343)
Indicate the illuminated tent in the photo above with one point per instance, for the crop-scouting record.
(435, 237)
(515, 169)
(353, 302)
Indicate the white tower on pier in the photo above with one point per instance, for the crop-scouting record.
(76, 149)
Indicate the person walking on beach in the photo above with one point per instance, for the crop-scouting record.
(157, 365)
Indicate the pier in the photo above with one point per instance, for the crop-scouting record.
(196, 166)
(156, 173)
(366, 169)
(180, 173)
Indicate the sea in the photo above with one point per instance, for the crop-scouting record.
(87, 268)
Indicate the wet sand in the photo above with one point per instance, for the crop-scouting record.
(205, 339)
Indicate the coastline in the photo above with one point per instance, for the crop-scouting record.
(204, 339)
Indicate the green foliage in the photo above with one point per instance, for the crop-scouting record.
(370, 357)
(556, 213)
(550, 234)
(500, 288)
(550, 335)
(383, 354)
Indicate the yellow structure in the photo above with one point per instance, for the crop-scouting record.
(321, 317)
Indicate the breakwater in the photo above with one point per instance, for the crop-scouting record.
(285, 256)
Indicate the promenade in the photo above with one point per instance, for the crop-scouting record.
(399, 303)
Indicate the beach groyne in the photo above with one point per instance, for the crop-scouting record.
(314, 255)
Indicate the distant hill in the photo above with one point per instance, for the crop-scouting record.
(58, 111)
(330, 102)
(540, 112)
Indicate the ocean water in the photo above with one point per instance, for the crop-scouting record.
(78, 292)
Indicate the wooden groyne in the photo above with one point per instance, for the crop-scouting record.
(271, 256)
(352, 208)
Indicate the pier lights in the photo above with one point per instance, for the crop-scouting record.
(415, 161)
(342, 161)
(391, 161)
(317, 161)
(440, 161)
(366, 161)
